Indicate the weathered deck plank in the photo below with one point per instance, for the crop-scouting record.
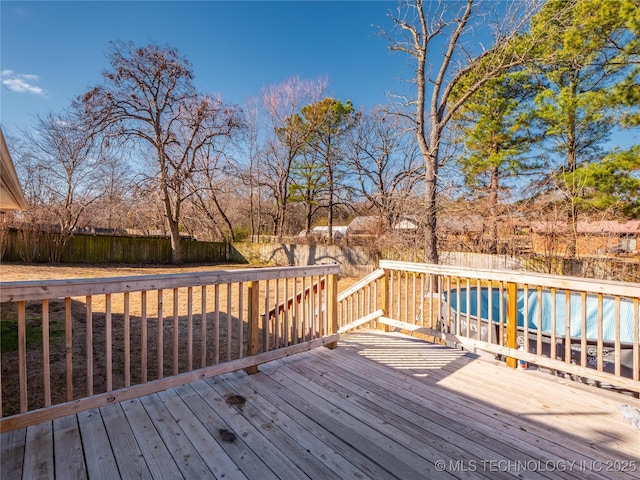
(126, 451)
(379, 406)
(386, 444)
(283, 443)
(12, 453)
(239, 426)
(249, 463)
(182, 451)
(38, 462)
(299, 427)
(219, 463)
(68, 455)
(156, 454)
(446, 438)
(322, 425)
(99, 457)
(483, 432)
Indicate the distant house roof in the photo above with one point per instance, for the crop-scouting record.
(630, 227)
(365, 225)
(461, 223)
(337, 230)
(11, 196)
(548, 227)
(407, 222)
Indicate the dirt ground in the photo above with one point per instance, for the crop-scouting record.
(223, 331)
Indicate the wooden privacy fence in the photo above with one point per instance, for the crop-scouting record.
(37, 246)
(589, 328)
(83, 343)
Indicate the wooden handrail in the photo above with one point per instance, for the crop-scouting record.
(373, 276)
(40, 289)
(545, 280)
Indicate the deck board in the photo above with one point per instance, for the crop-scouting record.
(99, 456)
(275, 460)
(68, 455)
(216, 459)
(39, 463)
(446, 437)
(394, 457)
(300, 428)
(566, 420)
(465, 422)
(283, 443)
(131, 463)
(249, 463)
(400, 453)
(380, 406)
(12, 453)
(181, 449)
(155, 452)
(478, 433)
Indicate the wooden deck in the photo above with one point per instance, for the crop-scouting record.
(381, 405)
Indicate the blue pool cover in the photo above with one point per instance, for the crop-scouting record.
(575, 307)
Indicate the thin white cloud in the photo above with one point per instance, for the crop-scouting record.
(21, 82)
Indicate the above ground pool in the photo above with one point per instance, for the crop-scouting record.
(545, 303)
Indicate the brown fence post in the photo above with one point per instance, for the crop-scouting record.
(253, 315)
(512, 321)
(332, 307)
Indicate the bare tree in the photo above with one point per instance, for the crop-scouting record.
(463, 65)
(63, 171)
(113, 209)
(385, 163)
(210, 181)
(249, 176)
(148, 96)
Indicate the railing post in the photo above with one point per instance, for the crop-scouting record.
(253, 319)
(332, 307)
(22, 355)
(512, 321)
(386, 300)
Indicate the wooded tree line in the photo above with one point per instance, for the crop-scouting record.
(512, 106)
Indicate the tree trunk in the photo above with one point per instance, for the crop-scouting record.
(572, 214)
(232, 236)
(308, 214)
(330, 213)
(431, 213)
(430, 197)
(174, 230)
(280, 222)
(176, 254)
(430, 155)
(493, 211)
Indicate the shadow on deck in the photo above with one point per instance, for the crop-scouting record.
(381, 405)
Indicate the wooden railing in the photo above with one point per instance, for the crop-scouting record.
(588, 328)
(84, 343)
(361, 303)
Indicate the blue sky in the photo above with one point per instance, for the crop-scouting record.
(53, 51)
